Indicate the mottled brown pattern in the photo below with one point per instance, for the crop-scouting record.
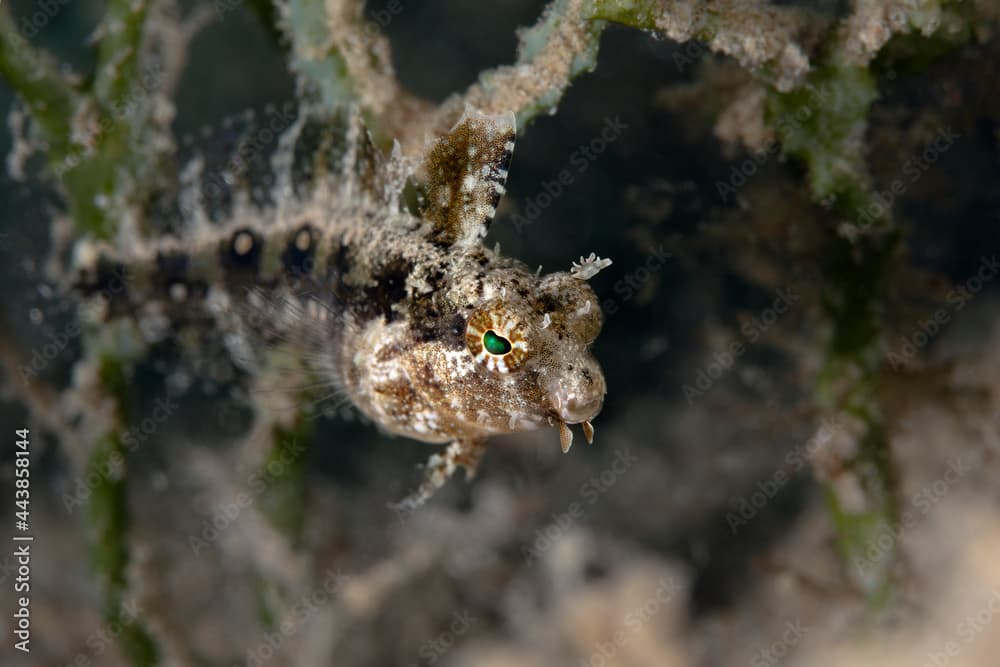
(390, 309)
(466, 172)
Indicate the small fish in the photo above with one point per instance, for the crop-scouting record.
(400, 308)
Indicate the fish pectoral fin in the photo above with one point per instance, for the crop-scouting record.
(362, 162)
(440, 468)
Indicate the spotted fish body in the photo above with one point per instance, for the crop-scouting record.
(428, 332)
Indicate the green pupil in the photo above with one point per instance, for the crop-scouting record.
(495, 344)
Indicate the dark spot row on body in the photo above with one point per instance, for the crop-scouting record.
(240, 255)
(184, 293)
(92, 279)
(124, 293)
(172, 265)
(300, 251)
(172, 281)
(110, 281)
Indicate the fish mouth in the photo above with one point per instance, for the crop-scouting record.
(574, 411)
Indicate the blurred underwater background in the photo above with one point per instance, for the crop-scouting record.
(796, 462)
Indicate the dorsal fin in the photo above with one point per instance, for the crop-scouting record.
(465, 172)
(362, 162)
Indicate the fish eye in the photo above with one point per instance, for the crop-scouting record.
(496, 339)
(495, 343)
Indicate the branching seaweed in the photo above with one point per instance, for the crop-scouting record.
(105, 138)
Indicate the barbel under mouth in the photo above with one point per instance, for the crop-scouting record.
(566, 435)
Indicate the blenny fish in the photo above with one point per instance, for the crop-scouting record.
(394, 302)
